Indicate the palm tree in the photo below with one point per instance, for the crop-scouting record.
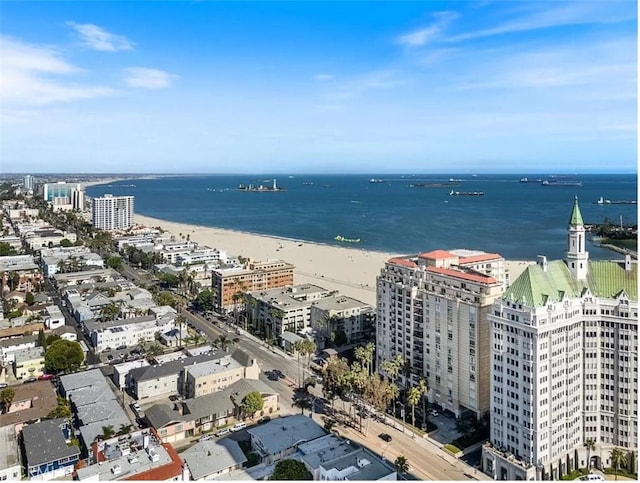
(590, 444)
(402, 464)
(423, 388)
(224, 342)
(365, 356)
(413, 397)
(618, 458)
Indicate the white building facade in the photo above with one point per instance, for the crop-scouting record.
(112, 212)
(564, 365)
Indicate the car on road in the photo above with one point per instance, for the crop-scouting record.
(238, 427)
(206, 437)
(3, 385)
(46, 377)
(222, 432)
(110, 357)
(31, 379)
(264, 419)
(434, 413)
(136, 407)
(385, 437)
(278, 373)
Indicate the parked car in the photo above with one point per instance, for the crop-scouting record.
(206, 437)
(434, 413)
(3, 385)
(222, 432)
(46, 377)
(136, 407)
(385, 437)
(31, 379)
(264, 419)
(238, 427)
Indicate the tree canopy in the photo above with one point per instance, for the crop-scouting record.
(291, 470)
(63, 356)
(252, 403)
(204, 300)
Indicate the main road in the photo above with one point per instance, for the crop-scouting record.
(427, 460)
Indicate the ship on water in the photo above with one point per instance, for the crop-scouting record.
(434, 185)
(261, 188)
(466, 193)
(377, 180)
(603, 201)
(561, 182)
(340, 238)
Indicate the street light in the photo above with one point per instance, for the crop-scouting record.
(402, 414)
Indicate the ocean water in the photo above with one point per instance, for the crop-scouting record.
(517, 220)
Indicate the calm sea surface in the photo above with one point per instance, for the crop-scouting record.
(517, 220)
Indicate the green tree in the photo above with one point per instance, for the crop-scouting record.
(413, 398)
(155, 350)
(365, 356)
(111, 311)
(66, 243)
(333, 375)
(6, 249)
(291, 470)
(42, 339)
(29, 298)
(63, 356)
(114, 262)
(618, 459)
(107, 431)
(124, 429)
(590, 444)
(423, 388)
(62, 409)
(165, 298)
(402, 464)
(224, 342)
(6, 398)
(252, 403)
(204, 300)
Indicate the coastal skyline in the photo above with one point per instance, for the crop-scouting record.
(318, 87)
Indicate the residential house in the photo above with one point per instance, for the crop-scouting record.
(28, 362)
(48, 450)
(207, 460)
(10, 466)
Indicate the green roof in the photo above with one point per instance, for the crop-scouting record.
(605, 279)
(576, 216)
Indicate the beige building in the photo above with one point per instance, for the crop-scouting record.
(432, 310)
(212, 376)
(228, 283)
(340, 317)
(28, 362)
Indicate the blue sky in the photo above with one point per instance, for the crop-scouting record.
(304, 86)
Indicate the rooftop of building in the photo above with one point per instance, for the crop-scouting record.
(366, 465)
(538, 286)
(8, 447)
(28, 354)
(141, 374)
(339, 302)
(209, 457)
(39, 396)
(92, 377)
(45, 442)
(282, 433)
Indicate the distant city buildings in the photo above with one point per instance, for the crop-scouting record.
(63, 196)
(564, 365)
(29, 182)
(110, 212)
(432, 310)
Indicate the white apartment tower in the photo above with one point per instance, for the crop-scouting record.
(432, 310)
(29, 182)
(564, 365)
(112, 212)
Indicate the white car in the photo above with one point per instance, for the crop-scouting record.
(136, 407)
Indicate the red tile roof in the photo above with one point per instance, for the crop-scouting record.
(462, 275)
(480, 258)
(402, 261)
(438, 255)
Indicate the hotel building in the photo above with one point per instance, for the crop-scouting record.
(564, 365)
(432, 311)
(64, 196)
(228, 283)
(112, 212)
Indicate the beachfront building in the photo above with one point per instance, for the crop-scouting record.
(340, 320)
(230, 284)
(432, 311)
(564, 365)
(110, 212)
(286, 309)
(63, 196)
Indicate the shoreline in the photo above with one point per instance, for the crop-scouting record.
(351, 271)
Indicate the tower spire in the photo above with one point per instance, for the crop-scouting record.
(577, 258)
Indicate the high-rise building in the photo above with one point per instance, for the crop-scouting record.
(432, 310)
(564, 365)
(112, 212)
(64, 196)
(29, 182)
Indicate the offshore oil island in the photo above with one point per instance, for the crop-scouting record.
(261, 188)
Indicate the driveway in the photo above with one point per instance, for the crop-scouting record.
(446, 432)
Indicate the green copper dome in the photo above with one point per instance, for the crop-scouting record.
(576, 216)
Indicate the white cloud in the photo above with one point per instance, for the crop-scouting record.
(323, 77)
(426, 34)
(97, 38)
(28, 76)
(148, 78)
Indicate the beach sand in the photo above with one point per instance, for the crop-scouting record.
(350, 271)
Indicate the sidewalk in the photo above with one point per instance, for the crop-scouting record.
(264, 345)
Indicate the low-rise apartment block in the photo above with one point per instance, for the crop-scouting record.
(340, 317)
(210, 376)
(229, 283)
(68, 259)
(28, 362)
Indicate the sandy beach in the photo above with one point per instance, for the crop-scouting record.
(350, 271)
